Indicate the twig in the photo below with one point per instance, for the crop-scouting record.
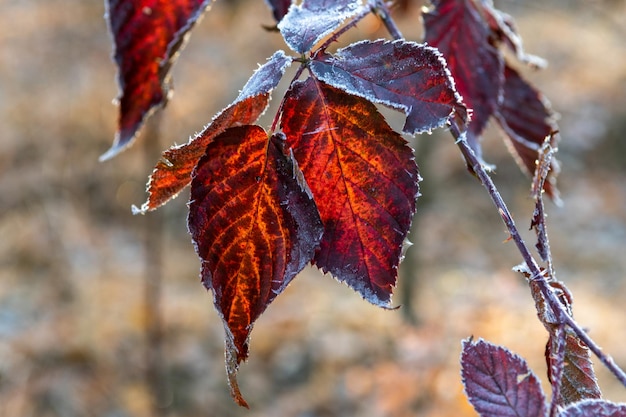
(557, 307)
(380, 8)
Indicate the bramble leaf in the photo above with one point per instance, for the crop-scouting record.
(147, 36)
(364, 180)
(173, 172)
(308, 23)
(254, 225)
(526, 119)
(500, 383)
(458, 30)
(595, 408)
(402, 75)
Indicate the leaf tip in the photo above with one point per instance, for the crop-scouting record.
(121, 142)
(233, 359)
(113, 150)
(140, 210)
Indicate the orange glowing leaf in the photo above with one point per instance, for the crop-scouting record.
(254, 226)
(364, 180)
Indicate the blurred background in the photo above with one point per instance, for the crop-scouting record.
(74, 326)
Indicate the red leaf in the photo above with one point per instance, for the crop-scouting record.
(147, 36)
(458, 30)
(499, 383)
(173, 172)
(306, 24)
(254, 226)
(364, 180)
(279, 8)
(402, 75)
(526, 119)
(594, 408)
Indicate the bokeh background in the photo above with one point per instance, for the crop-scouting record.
(73, 259)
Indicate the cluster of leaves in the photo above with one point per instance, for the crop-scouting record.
(330, 183)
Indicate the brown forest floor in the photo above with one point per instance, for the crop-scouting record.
(72, 260)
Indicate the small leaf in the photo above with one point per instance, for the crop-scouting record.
(526, 118)
(578, 379)
(364, 180)
(147, 37)
(173, 172)
(594, 408)
(499, 383)
(308, 23)
(253, 225)
(457, 29)
(402, 75)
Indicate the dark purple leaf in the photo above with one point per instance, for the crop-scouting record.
(527, 119)
(306, 24)
(279, 8)
(499, 383)
(402, 75)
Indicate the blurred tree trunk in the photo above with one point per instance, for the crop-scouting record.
(155, 368)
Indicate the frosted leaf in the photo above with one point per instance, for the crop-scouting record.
(267, 76)
(306, 24)
(405, 76)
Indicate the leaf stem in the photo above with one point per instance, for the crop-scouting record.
(557, 307)
(343, 30)
(381, 9)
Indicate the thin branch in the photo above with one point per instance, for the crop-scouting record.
(557, 307)
(381, 9)
(356, 19)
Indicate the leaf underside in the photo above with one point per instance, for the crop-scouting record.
(364, 180)
(254, 227)
(499, 383)
(147, 36)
